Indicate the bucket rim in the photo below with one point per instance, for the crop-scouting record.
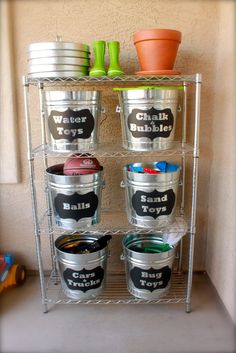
(59, 169)
(179, 88)
(177, 168)
(128, 240)
(47, 92)
(77, 236)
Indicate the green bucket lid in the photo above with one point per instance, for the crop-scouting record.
(147, 87)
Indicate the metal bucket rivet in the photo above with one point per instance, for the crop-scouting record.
(73, 119)
(148, 117)
(150, 198)
(82, 275)
(148, 275)
(76, 199)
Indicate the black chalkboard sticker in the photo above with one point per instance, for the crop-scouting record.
(150, 279)
(151, 123)
(76, 206)
(83, 280)
(153, 204)
(70, 124)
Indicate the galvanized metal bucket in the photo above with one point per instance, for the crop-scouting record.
(148, 117)
(82, 275)
(150, 198)
(73, 119)
(148, 275)
(75, 200)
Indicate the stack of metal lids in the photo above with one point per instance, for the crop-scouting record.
(58, 59)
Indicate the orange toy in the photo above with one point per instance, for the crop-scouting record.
(10, 274)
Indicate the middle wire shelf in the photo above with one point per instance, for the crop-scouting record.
(116, 223)
(116, 150)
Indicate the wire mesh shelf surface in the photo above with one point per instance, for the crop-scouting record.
(48, 81)
(116, 292)
(106, 150)
(115, 223)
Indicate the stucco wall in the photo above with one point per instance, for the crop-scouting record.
(88, 20)
(221, 240)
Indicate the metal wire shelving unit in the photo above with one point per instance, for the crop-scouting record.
(116, 291)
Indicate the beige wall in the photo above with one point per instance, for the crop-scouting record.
(221, 240)
(88, 20)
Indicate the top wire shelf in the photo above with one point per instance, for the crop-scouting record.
(53, 81)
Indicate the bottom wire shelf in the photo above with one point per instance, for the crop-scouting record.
(116, 292)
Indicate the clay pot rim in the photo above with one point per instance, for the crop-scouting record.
(157, 33)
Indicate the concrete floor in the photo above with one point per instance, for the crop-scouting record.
(115, 328)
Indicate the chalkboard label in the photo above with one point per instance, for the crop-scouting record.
(153, 204)
(84, 280)
(76, 206)
(150, 279)
(151, 123)
(71, 124)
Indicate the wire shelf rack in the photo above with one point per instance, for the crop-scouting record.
(116, 289)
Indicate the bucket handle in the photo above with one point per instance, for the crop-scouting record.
(118, 109)
(103, 111)
(122, 257)
(122, 184)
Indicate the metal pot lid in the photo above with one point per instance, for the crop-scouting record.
(59, 61)
(48, 68)
(58, 53)
(58, 45)
(58, 74)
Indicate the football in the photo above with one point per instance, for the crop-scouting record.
(77, 165)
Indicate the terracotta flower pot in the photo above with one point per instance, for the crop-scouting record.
(157, 48)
